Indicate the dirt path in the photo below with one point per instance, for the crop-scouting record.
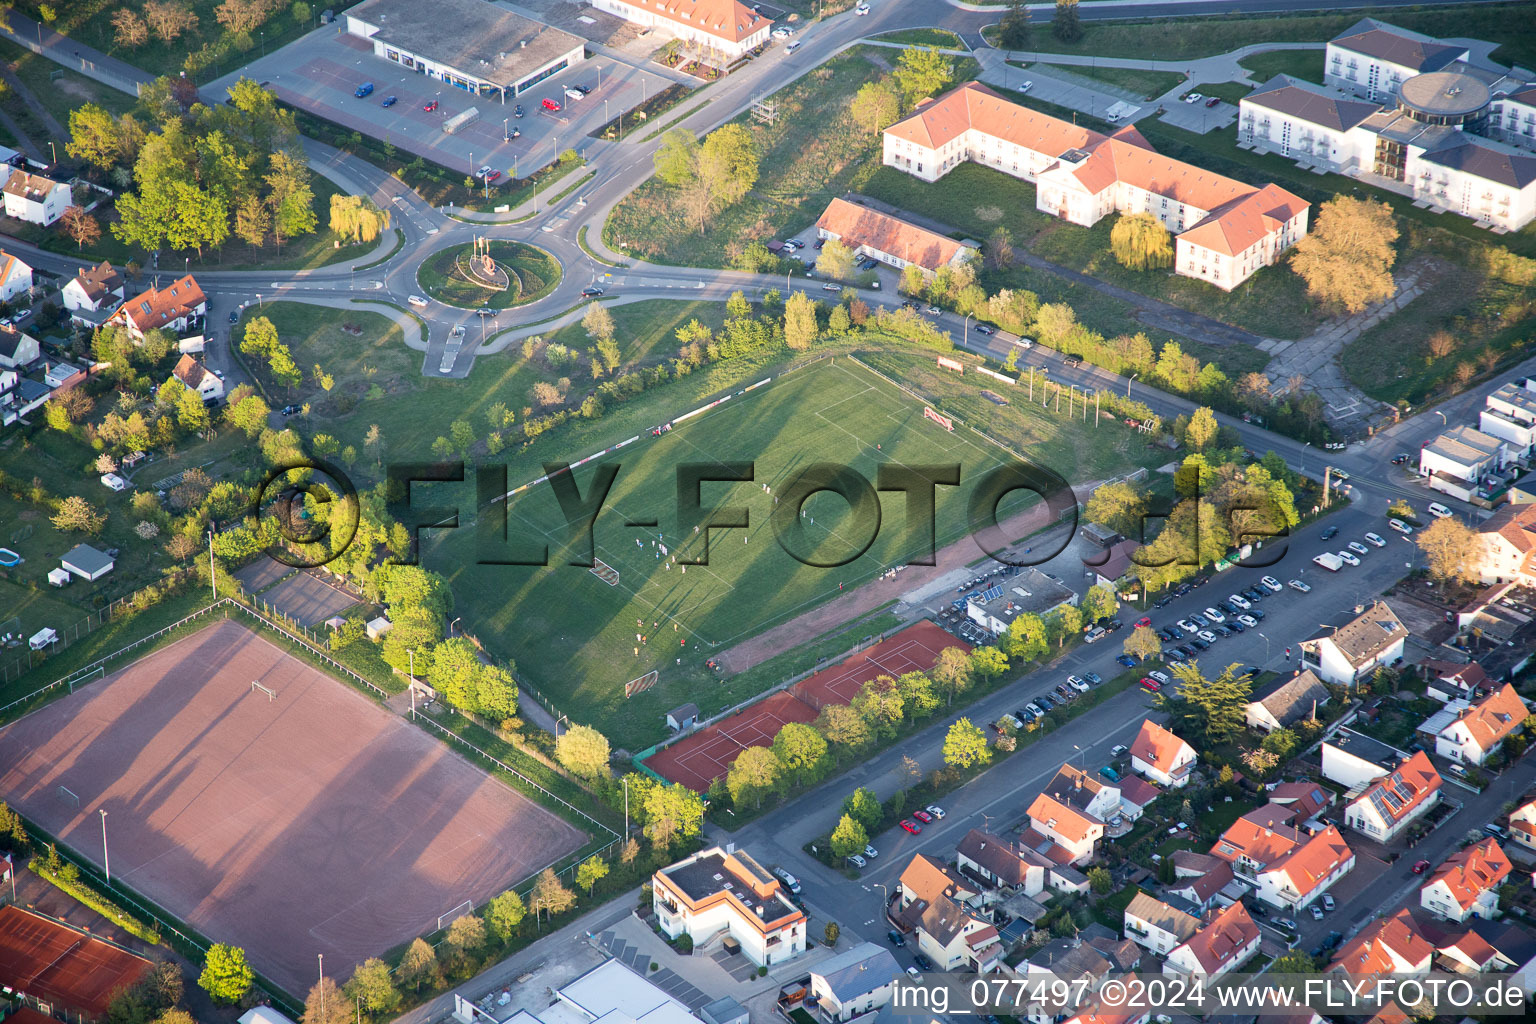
(804, 628)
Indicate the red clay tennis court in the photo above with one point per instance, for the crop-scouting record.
(699, 759)
(58, 964)
(295, 820)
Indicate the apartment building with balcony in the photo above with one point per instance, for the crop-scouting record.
(721, 890)
(1510, 415)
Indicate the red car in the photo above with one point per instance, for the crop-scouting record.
(1213, 101)
(492, 176)
(1419, 867)
(923, 816)
(1144, 621)
(911, 826)
(1150, 685)
(430, 106)
(552, 106)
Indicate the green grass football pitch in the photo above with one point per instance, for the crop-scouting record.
(573, 636)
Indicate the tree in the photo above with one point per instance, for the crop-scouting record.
(1013, 30)
(988, 662)
(242, 17)
(848, 837)
(356, 217)
(801, 749)
(226, 976)
(169, 19)
(80, 226)
(677, 157)
(504, 914)
(1119, 505)
(952, 671)
(728, 164)
(755, 771)
(419, 964)
(75, 513)
(1099, 602)
(921, 72)
(799, 322)
(844, 728)
(1346, 259)
(592, 870)
(876, 105)
(1099, 880)
(965, 745)
(672, 813)
(549, 896)
(131, 30)
(1065, 25)
(1214, 710)
(252, 221)
(1281, 742)
(1062, 622)
(1452, 550)
(835, 261)
(373, 986)
(863, 806)
(598, 322)
(1026, 638)
(325, 1005)
(1143, 644)
(94, 136)
(1202, 429)
(831, 933)
(1292, 962)
(1140, 241)
(583, 750)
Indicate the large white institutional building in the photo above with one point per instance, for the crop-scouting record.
(1424, 117)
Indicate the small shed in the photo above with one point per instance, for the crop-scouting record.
(336, 622)
(86, 562)
(58, 577)
(685, 716)
(724, 1010)
(378, 627)
(263, 1015)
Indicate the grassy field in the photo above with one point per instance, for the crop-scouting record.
(532, 274)
(58, 89)
(1307, 64)
(574, 636)
(940, 37)
(1173, 39)
(1143, 83)
(811, 153)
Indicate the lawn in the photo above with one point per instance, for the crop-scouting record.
(1305, 64)
(59, 89)
(204, 53)
(943, 38)
(1143, 83)
(812, 152)
(531, 273)
(1174, 39)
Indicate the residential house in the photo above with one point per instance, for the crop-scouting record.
(1354, 759)
(1392, 945)
(194, 376)
(1373, 58)
(1508, 554)
(1224, 230)
(1481, 728)
(1460, 460)
(1522, 824)
(94, 289)
(1074, 835)
(924, 880)
(1510, 415)
(18, 350)
(1227, 940)
(1199, 878)
(19, 395)
(1345, 654)
(1110, 566)
(1466, 883)
(1389, 804)
(728, 27)
(15, 277)
(1084, 793)
(955, 939)
(1161, 756)
(172, 308)
(1287, 866)
(1157, 925)
(1001, 863)
(1447, 681)
(1096, 1013)
(854, 982)
(890, 239)
(1513, 943)
(1286, 701)
(1136, 795)
(714, 891)
(34, 198)
(1304, 800)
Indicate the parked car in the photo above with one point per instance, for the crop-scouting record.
(234, 317)
(1287, 923)
(1094, 679)
(1376, 540)
(1150, 685)
(857, 861)
(870, 851)
(517, 111)
(553, 106)
(1238, 601)
(492, 176)
(1109, 773)
(1317, 912)
(1118, 749)
(1328, 903)
(1271, 584)
(1420, 866)
(364, 90)
(1207, 636)
(935, 810)
(1193, 97)
(1164, 601)
(1348, 557)
(911, 826)
(922, 962)
(1212, 615)
(1300, 586)
(1161, 677)
(1212, 101)
(1358, 548)
(1248, 620)
(483, 171)
(1400, 526)
(897, 939)
(1126, 660)
(390, 101)
(430, 107)
(289, 410)
(575, 92)
(792, 47)
(1439, 511)
(923, 816)
(985, 329)
(1330, 533)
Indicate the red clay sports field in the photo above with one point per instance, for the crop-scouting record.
(699, 759)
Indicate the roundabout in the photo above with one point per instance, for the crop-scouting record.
(495, 273)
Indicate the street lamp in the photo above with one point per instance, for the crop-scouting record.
(1128, 384)
(506, 132)
(106, 861)
(1266, 647)
(54, 151)
(455, 622)
(966, 339)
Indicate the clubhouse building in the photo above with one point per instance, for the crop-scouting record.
(1422, 117)
(472, 45)
(1224, 230)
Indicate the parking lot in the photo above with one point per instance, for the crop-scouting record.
(322, 72)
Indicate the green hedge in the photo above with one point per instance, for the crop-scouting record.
(93, 899)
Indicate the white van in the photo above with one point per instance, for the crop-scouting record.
(788, 879)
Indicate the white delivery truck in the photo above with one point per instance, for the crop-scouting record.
(1330, 561)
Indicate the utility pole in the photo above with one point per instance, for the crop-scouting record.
(106, 861)
(213, 582)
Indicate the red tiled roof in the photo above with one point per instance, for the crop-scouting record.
(1157, 746)
(1220, 939)
(927, 879)
(1473, 871)
(159, 306)
(1314, 860)
(1368, 953)
(728, 19)
(1240, 224)
(1264, 842)
(1495, 717)
(1060, 818)
(973, 105)
(1515, 523)
(1397, 795)
(856, 225)
(190, 372)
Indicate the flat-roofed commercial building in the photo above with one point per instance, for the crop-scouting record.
(472, 45)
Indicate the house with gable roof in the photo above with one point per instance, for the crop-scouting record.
(1158, 925)
(35, 198)
(1199, 878)
(729, 26)
(1509, 546)
(889, 239)
(954, 938)
(854, 982)
(1466, 883)
(15, 276)
(1286, 865)
(1224, 230)
(1161, 756)
(1286, 701)
(1001, 863)
(194, 376)
(1345, 654)
(1481, 728)
(1389, 804)
(1392, 945)
(1226, 940)
(1522, 824)
(172, 308)
(1073, 834)
(93, 290)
